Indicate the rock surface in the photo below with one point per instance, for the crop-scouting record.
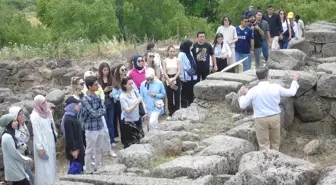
(137, 155)
(245, 131)
(288, 59)
(326, 86)
(229, 147)
(192, 166)
(56, 96)
(214, 90)
(328, 176)
(313, 147)
(272, 167)
(329, 68)
(312, 107)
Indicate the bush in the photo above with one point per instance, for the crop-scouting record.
(75, 19)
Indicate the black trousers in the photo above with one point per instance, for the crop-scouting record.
(22, 182)
(202, 71)
(222, 64)
(173, 96)
(187, 93)
(117, 118)
(131, 133)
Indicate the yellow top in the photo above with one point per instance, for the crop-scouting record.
(100, 92)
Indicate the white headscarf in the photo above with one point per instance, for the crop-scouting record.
(150, 73)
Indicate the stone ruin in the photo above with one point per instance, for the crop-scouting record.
(213, 142)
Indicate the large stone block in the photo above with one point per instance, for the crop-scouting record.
(326, 86)
(214, 90)
(286, 59)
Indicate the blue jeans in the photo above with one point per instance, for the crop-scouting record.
(257, 54)
(109, 117)
(265, 49)
(247, 63)
(284, 42)
(29, 173)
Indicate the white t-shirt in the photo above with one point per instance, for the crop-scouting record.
(300, 27)
(284, 25)
(296, 29)
(229, 34)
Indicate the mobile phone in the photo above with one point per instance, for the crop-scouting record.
(45, 156)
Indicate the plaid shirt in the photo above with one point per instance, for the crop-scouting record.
(93, 111)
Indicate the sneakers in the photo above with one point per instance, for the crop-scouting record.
(116, 139)
(112, 154)
(113, 145)
(169, 118)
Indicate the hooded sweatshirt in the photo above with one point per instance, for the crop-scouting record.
(13, 161)
(22, 134)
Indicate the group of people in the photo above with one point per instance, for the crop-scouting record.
(113, 105)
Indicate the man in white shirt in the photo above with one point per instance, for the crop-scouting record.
(265, 98)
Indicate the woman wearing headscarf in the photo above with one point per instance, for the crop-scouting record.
(74, 148)
(188, 74)
(153, 92)
(14, 162)
(44, 142)
(22, 135)
(138, 73)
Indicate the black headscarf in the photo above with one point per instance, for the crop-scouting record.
(185, 48)
(9, 130)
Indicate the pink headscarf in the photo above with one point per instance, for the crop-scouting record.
(42, 107)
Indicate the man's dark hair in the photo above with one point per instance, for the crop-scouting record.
(270, 6)
(262, 72)
(259, 8)
(150, 46)
(200, 32)
(89, 81)
(243, 17)
(260, 11)
(229, 18)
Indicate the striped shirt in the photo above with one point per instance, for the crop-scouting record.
(93, 110)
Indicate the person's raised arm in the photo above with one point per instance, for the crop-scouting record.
(293, 88)
(246, 99)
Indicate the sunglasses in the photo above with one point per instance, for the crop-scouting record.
(140, 60)
(149, 79)
(123, 70)
(151, 56)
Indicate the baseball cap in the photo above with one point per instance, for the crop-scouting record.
(290, 15)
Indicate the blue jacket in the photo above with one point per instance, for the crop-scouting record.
(155, 87)
(185, 66)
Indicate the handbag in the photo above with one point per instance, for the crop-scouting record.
(75, 168)
(141, 108)
(108, 101)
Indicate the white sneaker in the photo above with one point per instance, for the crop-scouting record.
(112, 154)
(113, 145)
(116, 139)
(169, 118)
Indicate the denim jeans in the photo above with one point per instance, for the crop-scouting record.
(109, 117)
(257, 54)
(265, 49)
(284, 42)
(246, 63)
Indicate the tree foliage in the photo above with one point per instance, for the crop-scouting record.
(69, 20)
(75, 19)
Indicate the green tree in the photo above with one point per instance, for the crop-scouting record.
(74, 19)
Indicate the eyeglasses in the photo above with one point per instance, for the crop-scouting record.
(123, 69)
(149, 79)
(151, 56)
(140, 60)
